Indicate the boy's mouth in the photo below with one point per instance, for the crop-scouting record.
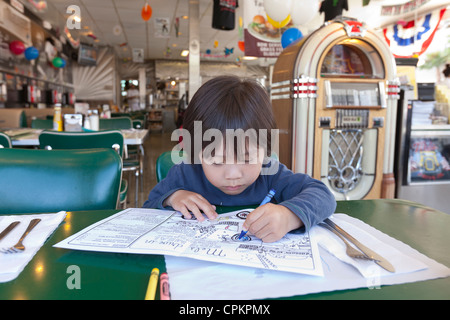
(233, 188)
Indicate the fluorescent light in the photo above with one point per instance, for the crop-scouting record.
(184, 53)
(249, 58)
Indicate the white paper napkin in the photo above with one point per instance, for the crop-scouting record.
(11, 265)
(371, 238)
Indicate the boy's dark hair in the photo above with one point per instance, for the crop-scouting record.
(229, 102)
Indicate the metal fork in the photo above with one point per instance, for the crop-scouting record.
(351, 252)
(19, 247)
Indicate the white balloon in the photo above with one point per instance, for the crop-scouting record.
(303, 11)
(278, 10)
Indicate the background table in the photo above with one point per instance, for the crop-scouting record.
(125, 276)
(30, 137)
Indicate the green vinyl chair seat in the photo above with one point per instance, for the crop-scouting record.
(115, 123)
(86, 140)
(5, 141)
(165, 162)
(82, 140)
(42, 123)
(34, 181)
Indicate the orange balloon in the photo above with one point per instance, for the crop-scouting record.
(146, 12)
(241, 45)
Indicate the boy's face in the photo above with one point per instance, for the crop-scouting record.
(231, 174)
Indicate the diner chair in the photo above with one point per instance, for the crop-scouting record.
(36, 181)
(5, 141)
(42, 123)
(115, 123)
(133, 160)
(87, 140)
(164, 163)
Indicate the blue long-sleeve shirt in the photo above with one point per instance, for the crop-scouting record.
(306, 197)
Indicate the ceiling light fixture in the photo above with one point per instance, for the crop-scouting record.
(184, 53)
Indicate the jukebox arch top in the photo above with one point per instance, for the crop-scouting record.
(332, 102)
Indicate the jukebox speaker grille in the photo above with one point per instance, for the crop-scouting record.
(344, 161)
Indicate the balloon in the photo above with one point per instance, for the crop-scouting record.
(303, 11)
(58, 62)
(31, 53)
(146, 12)
(278, 10)
(289, 36)
(17, 47)
(241, 45)
(279, 24)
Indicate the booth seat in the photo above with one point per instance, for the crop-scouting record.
(12, 118)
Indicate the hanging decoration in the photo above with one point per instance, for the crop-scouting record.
(303, 11)
(92, 35)
(278, 24)
(117, 30)
(228, 51)
(16, 47)
(177, 26)
(332, 8)
(146, 12)
(241, 43)
(31, 53)
(278, 12)
(168, 52)
(58, 62)
(403, 8)
(39, 5)
(290, 36)
(75, 43)
(412, 38)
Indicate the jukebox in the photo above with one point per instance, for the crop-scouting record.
(334, 96)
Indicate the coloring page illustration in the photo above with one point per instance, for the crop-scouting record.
(151, 231)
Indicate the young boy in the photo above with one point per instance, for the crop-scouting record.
(222, 172)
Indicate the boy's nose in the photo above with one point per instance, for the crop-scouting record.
(233, 172)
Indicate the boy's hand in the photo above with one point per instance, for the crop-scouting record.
(185, 201)
(271, 222)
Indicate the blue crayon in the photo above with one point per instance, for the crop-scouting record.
(266, 200)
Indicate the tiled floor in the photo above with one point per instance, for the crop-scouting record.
(155, 144)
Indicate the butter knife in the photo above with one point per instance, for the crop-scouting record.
(8, 229)
(382, 262)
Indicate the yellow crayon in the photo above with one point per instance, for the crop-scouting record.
(152, 283)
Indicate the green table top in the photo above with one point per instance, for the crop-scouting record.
(125, 276)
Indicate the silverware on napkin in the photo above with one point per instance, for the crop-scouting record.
(8, 229)
(382, 262)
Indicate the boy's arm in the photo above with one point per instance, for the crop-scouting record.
(306, 197)
(164, 189)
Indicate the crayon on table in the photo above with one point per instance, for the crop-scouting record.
(152, 283)
(164, 289)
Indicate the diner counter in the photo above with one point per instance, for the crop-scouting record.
(125, 276)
